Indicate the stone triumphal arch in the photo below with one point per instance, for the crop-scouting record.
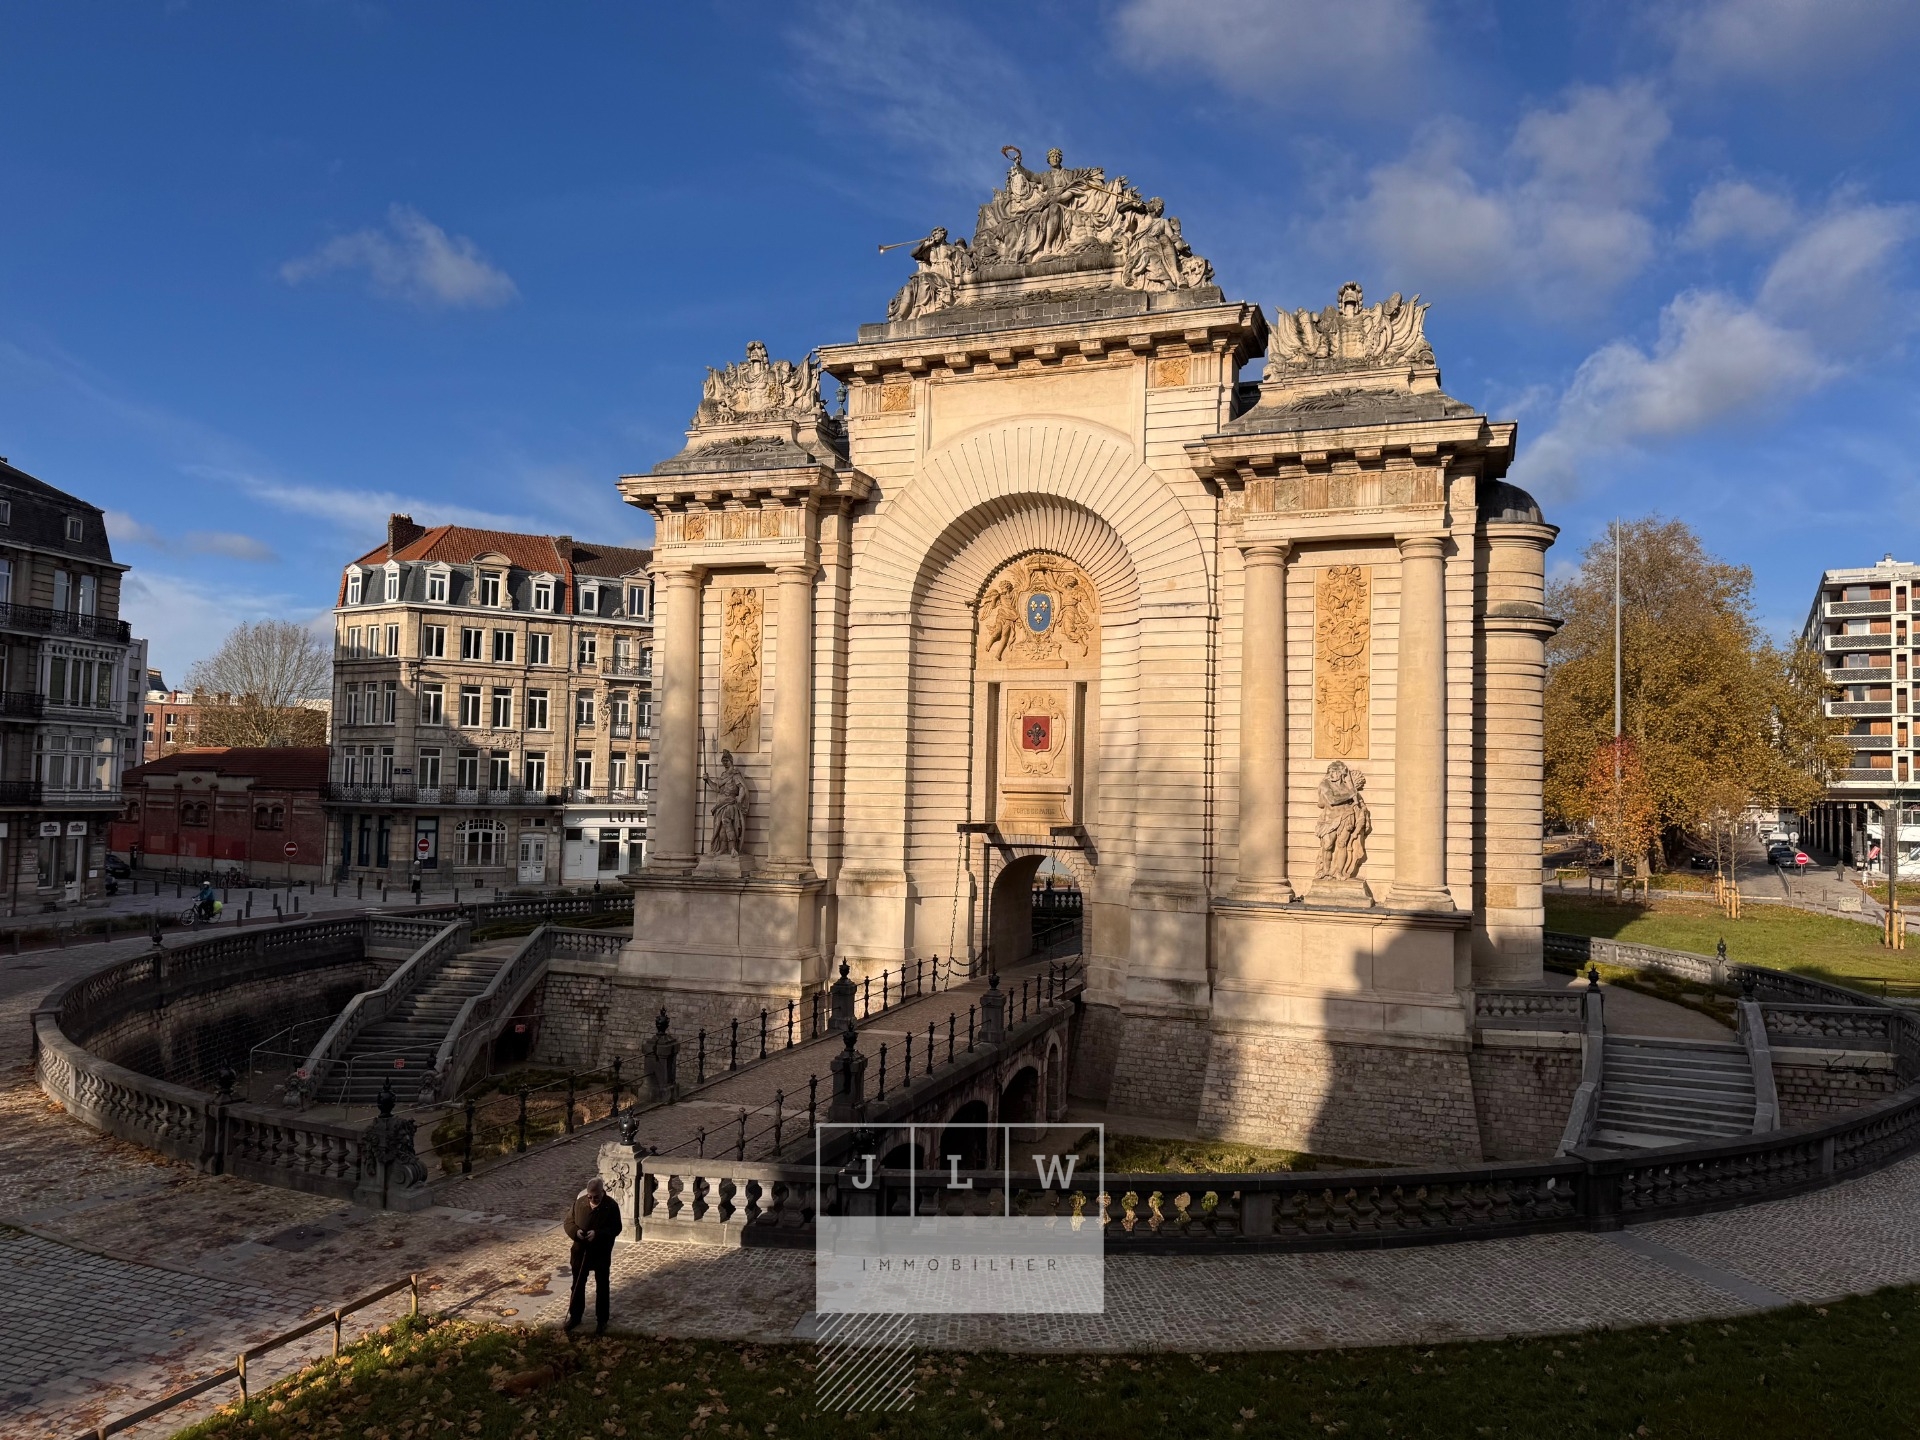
(1254, 651)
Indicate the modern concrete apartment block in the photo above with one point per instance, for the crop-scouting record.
(1863, 622)
(492, 701)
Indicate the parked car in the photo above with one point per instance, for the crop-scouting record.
(1701, 862)
(118, 868)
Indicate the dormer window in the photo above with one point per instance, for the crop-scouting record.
(489, 588)
(76, 528)
(637, 601)
(437, 587)
(543, 592)
(354, 581)
(393, 582)
(589, 600)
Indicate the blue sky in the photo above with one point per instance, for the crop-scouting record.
(268, 271)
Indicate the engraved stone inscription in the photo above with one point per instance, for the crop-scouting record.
(1342, 652)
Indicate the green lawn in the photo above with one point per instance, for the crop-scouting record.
(1150, 1155)
(1846, 951)
(1840, 1371)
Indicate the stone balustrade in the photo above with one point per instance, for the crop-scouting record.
(371, 1006)
(1495, 1009)
(480, 1015)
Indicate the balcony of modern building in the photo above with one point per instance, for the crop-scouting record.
(43, 620)
(1860, 707)
(1846, 609)
(1867, 742)
(1865, 775)
(1839, 644)
(1858, 674)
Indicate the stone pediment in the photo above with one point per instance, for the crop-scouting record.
(1060, 230)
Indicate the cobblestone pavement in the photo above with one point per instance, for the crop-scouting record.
(130, 1274)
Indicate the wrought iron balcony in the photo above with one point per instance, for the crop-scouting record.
(605, 795)
(40, 620)
(21, 705)
(19, 792)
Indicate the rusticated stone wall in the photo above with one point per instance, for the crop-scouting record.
(1096, 1051)
(1160, 1067)
(1523, 1097)
(1367, 1102)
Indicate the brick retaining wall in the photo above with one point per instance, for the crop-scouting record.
(1820, 1091)
(1523, 1097)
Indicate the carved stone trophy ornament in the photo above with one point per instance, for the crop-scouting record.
(1349, 335)
(1342, 830)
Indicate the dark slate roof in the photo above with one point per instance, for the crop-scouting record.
(40, 514)
(1338, 409)
(732, 455)
(1503, 501)
(282, 767)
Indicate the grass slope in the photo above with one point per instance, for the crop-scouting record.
(1844, 1370)
(1844, 951)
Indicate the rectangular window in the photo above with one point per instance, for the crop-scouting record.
(373, 640)
(536, 710)
(589, 599)
(470, 705)
(539, 649)
(583, 771)
(75, 529)
(433, 701)
(436, 588)
(393, 584)
(643, 774)
(489, 588)
(352, 693)
(390, 697)
(103, 687)
(353, 640)
(468, 764)
(617, 771)
(89, 595)
(503, 647)
(386, 765)
(471, 643)
(645, 714)
(536, 770)
(393, 639)
(6, 512)
(619, 712)
(433, 642)
(502, 709)
(353, 589)
(62, 591)
(500, 770)
(6, 580)
(427, 769)
(589, 650)
(646, 660)
(637, 601)
(543, 594)
(583, 708)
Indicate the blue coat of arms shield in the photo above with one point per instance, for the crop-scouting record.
(1039, 612)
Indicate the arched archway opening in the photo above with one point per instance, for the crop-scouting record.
(1011, 901)
(1020, 1101)
(974, 1147)
(1057, 911)
(902, 1157)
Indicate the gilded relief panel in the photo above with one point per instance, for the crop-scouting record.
(1342, 655)
(740, 670)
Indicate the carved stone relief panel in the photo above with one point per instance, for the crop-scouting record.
(1041, 612)
(1342, 657)
(1358, 490)
(1171, 370)
(740, 670)
(1036, 789)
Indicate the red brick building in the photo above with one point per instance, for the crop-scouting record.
(227, 809)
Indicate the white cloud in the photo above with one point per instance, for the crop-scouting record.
(126, 529)
(1738, 211)
(1559, 216)
(414, 260)
(923, 83)
(185, 620)
(1283, 50)
(1784, 40)
(1826, 302)
(362, 510)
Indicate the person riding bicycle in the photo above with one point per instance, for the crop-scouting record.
(209, 903)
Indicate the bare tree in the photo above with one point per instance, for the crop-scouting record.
(250, 690)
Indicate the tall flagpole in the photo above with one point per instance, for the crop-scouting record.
(1617, 815)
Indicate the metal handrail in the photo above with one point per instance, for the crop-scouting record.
(370, 1005)
(479, 1011)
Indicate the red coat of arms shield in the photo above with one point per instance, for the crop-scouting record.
(1036, 732)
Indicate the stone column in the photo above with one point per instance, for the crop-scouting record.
(1420, 731)
(792, 731)
(1263, 724)
(677, 760)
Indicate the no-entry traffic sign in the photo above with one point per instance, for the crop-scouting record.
(289, 849)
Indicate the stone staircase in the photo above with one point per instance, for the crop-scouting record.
(1671, 1092)
(412, 1032)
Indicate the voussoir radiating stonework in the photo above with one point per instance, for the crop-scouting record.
(1233, 617)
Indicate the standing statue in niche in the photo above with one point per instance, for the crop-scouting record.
(731, 791)
(1344, 823)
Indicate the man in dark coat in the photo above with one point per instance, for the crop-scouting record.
(593, 1220)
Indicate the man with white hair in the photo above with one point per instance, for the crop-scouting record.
(593, 1220)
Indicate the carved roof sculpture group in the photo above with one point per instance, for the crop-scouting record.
(1059, 220)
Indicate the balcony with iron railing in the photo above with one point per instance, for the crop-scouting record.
(1835, 609)
(605, 795)
(40, 620)
(22, 705)
(621, 729)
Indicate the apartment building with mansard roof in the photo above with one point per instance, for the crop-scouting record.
(492, 696)
(71, 682)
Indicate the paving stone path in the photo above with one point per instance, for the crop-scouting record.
(126, 1275)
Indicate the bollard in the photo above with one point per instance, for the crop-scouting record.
(466, 1148)
(359, 887)
(249, 903)
(569, 1102)
(177, 892)
(523, 1120)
